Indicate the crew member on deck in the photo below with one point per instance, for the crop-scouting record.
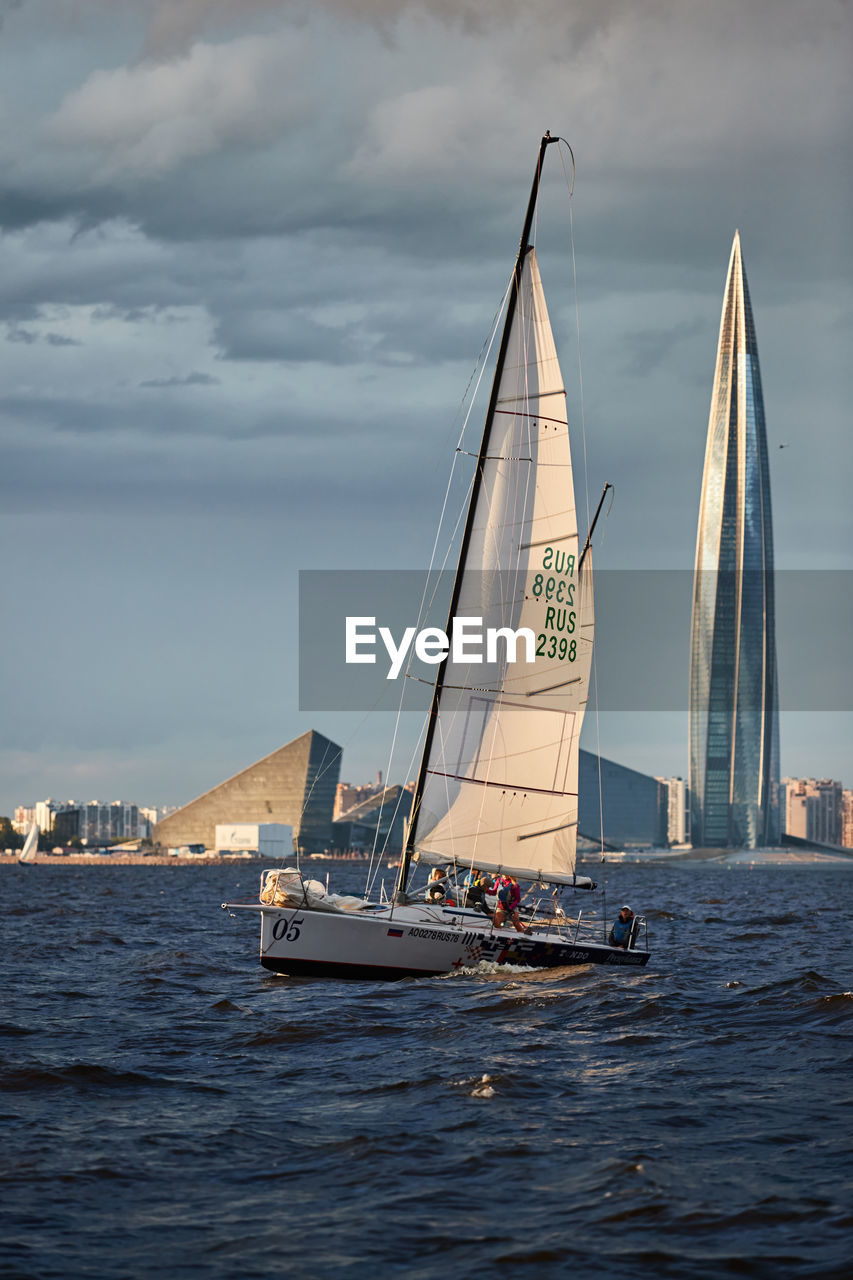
(509, 900)
(620, 934)
(477, 885)
(437, 886)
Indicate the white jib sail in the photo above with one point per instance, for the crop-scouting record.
(502, 775)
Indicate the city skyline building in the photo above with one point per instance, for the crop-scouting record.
(348, 795)
(674, 809)
(847, 818)
(91, 822)
(734, 698)
(814, 809)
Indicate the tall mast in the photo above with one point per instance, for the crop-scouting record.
(523, 249)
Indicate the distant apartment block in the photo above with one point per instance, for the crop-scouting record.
(92, 823)
(847, 819)
(23, 819)
(96, 823)
(116, 821)
(674, 809)
(379, 822)
(814, 809)
(348, 795)
(45, 810)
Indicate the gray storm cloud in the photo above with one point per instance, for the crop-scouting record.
(174, 24)
(250, 251)
(149, 118)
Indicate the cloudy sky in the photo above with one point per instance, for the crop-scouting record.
(249, 253)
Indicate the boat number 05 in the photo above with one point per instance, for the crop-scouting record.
(287, 929)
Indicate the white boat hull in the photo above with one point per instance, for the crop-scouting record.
(411, 942)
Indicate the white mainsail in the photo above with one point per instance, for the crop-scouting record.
(501, 776)
(28, 852)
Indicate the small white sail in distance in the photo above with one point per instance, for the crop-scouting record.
(28, 852)
(501, 781)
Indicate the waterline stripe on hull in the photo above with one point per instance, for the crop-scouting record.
(347, 972)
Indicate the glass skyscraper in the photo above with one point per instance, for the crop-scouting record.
(734, 699)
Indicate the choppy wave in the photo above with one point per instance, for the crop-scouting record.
(184, 1113)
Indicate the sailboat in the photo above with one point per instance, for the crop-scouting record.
(497, 788)
(28, 852)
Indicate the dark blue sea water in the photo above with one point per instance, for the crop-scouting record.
(170, 1110)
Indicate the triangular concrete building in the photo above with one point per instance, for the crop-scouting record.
(295, 784)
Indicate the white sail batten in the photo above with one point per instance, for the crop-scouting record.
(501, 780)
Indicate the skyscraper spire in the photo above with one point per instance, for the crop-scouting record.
(734, 701)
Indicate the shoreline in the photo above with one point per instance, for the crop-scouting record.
(124, 860)
(635, 858)
(728, 858)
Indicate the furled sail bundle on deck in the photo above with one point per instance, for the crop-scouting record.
(501, 777)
